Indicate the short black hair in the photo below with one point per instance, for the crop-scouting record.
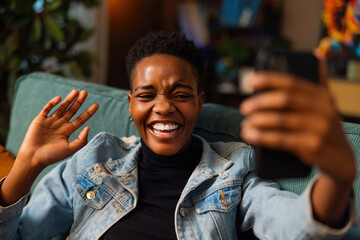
(175, 44)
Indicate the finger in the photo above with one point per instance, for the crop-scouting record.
(65, 104)
(274, 80)
(280, 120)
(50, 105)
(80, 142)
(278, 100)
(305, 123)
(86, 115)
(295, 142)
(72, 110)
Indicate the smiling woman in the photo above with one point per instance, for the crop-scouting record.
(165, 103)
(170, 183)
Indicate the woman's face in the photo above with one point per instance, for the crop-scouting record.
(165, 103)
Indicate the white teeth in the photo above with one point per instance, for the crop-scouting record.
(163, 133)
(161, 126)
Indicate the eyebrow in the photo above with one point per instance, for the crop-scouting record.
(180, 85)
(146, 87)
(176, 85)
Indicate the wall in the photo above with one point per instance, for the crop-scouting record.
(301, 23)
(128, 21)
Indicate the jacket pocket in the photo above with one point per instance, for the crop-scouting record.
(92, 194)
(221, 200)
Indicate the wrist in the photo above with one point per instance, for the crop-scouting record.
(29, 164)
(344, 184)
(341, 169)
(330, 200)
(18, 182)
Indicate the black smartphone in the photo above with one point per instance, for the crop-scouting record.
(273, 163)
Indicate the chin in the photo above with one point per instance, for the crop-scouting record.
(165, 149)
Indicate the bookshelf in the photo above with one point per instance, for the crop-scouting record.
(231, 33)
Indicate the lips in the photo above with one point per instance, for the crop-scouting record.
(164, 128)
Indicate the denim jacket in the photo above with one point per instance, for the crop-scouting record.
(83, 197)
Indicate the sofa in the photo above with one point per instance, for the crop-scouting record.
(216, 123)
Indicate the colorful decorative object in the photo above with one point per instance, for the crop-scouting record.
(341, 19)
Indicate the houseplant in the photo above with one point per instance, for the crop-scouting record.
(40, 35)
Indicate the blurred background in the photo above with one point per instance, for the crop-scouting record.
(89, 39)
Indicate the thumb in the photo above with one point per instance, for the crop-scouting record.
(80, 142)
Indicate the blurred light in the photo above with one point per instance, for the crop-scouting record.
(38, 6)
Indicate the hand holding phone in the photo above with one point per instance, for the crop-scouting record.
(273, 163)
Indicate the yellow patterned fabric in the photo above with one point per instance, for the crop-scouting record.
(6, 162)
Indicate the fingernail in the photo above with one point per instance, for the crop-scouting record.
(249, 80)
(249, 134)
(245, 107)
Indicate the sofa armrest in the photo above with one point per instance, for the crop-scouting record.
(6, 162)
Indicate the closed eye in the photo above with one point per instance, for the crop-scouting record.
(182, 96)
(145, 96)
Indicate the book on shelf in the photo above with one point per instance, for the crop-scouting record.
(192, 18)
(239, 13)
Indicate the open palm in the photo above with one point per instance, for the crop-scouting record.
(47, 139)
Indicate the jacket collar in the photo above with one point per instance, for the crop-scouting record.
(211, 163)
(126, 164)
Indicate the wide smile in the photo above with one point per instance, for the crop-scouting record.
(164, 129)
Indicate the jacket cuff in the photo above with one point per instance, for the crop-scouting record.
(323, 231)
(12, 210)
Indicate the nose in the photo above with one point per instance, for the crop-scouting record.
(164, 106)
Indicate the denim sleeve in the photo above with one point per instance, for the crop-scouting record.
(10, 216)
(276, 214)
(48, 213)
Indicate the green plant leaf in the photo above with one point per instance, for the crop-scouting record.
(14, 63)
(85, 61)
(72, 30)
(22, 6)
(2, 54)
(91, 3)
(51, 6)
(10, 46)
(37, 29)
(54, 29)
(86, 34)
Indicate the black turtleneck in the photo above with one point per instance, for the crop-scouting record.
(161, 181)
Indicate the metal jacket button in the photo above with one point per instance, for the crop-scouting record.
(91, 194)
(223, 200)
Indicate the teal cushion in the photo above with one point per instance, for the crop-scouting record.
(216, 123)
(34, 90)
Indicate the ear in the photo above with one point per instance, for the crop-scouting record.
(129, 97)
(201, 101)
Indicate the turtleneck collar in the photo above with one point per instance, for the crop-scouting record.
(188, 159)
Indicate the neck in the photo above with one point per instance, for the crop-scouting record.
(186, 159)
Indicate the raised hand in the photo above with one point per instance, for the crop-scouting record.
(46, 141)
